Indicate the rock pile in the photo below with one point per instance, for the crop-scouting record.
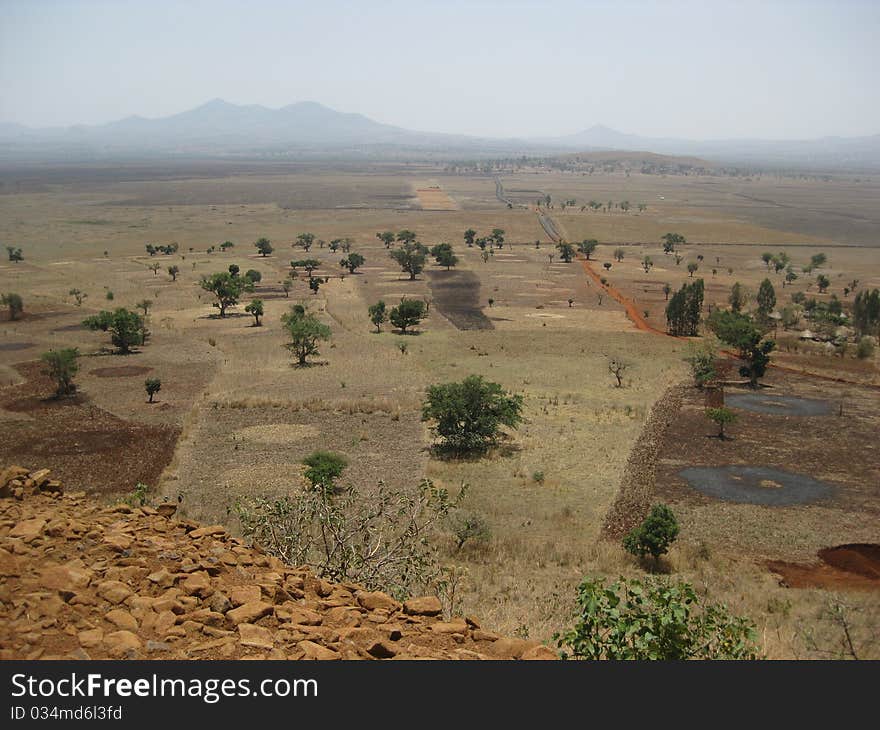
(84, 581)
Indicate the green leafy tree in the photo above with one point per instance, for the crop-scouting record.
(780, 261)
(818, 260)
(78, 296)
(286, 286)
(738, 298)
(701, 357)
(647, 263)
(323, 469)
(619, 253)
(566, 251)
(306, 331)
(684, 308)
(62, 366)
(468, 415)
(692, 268)
(667, 290)
(127, 329)
(305, 241)
(498, 236)
(671, 240)
(152, 386)
(253, 276)
(407, 314)
(233, 270)
(469, 236)
(653, 620)
(654, 536)
(14, 303)
(145, 304)
(411, 258)
(378, 314)
(767, 258)
(352, 262)
(173, 271)
(314, 284)
(866, 312)
(226, 245)
(406, 236)
(790, 276)
(308, 264)
(387, 237)
(823, 282)
(226, 288)
(766, 299)
(255, 308)
(721, 417)
(739, 331)
(15, 254)
(264, 246)
(587, 247)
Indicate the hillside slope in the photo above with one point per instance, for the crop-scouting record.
(84, 581)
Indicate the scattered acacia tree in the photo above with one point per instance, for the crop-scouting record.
(286, 286)
(818, 260)
(767, 258)
(410, 257)
(766, 299)
(323, 469)
(469, 236)
(692, 268)
(647, 263)
(154, 267)
(653, 620)
(227, 288)
(444, 255)
(667, 290)
(378, 314)
(263, 246)
(233, 269)
(145, 304)
(498, 236)
(566, 251)
(352, 262)
(305, 331)
(356, 538)
(617, 368)
(15, 254)
(407, 314)
(587, 247)
(62, 366)
(173, 271)
(671, 240)
(152, 386)
(305, 241)
(823, 282)
(654, 536)
(739, 331)
(387, 237)
(308, 264)
(468, 415)
(738, 297)
(255, 308)
(253, 276)
(701, 357)
(14, 303)
(683, 310)
(226, 244)
(314, 284)
(78, 296)
(619, 253)
(720, 417)
(127, 329)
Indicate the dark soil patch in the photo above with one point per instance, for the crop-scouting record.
(85, 446)
(69, 328)
(457, 296)
(756, 485)
(14, 346)
(124, 371)
(782, 405)
(843, 567)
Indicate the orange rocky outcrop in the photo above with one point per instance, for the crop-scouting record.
(84, 581)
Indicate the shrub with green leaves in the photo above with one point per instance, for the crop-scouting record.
(378, 314)
(654, 620)
(701, 357)
(468, 415)
(152, 386)
(62, 366)
(720, 417)
(127, 329)
(655, 535)
(15, 304)
(324, 467)
(255, 308)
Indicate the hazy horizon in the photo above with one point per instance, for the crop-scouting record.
(779, 70)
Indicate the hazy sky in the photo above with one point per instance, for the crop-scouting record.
(706, 69)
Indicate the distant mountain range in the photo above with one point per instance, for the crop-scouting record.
(222, 128)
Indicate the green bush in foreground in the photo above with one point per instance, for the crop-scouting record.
(654, 619)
